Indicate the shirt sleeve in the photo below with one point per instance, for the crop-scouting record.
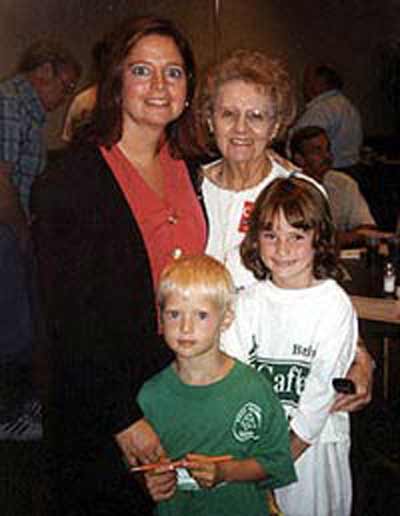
(236, 340)
(338, 336)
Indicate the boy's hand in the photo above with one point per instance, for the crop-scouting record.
(161, 482)
(203, 470)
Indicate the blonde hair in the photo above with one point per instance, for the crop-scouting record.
(201, 275)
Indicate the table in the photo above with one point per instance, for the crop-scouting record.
(379, 317)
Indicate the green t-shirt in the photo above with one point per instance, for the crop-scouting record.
(239, 415)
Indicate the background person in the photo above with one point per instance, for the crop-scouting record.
(300, 328)
(329, 108)
(310, 150)
(220, 406)
(110, 215)
(21, 450)
(46, 74)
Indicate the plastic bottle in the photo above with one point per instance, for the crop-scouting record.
(389, 279)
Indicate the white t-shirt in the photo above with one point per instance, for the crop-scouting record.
(311, 331)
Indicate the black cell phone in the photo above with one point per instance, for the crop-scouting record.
(344, 385)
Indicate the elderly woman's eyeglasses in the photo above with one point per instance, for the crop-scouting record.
(257, 118)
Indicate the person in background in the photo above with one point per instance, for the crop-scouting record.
(310, 150)
(46, 75)
(299, 327)
(242, 103)
(110, 214)
(21, 447)
(329, 108)
(221, 407)
(83, 103)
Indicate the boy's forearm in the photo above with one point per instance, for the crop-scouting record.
(241, 471)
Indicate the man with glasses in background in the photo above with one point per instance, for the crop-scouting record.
(46, 75)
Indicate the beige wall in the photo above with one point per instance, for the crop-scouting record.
(350, 33)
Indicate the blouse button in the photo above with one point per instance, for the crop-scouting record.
(177, 253)
(172, 219)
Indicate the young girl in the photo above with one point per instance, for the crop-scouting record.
(299, 327)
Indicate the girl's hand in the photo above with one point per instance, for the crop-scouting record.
(362, 374)
(161, 482)
(203, 470)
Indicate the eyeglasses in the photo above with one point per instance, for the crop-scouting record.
(257, 118)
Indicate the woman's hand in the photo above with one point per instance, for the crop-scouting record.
(161, 483)
(140, 443)
(361, 372)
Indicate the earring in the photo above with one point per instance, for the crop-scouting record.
(275, 132)
(210, 126)
(187, 104)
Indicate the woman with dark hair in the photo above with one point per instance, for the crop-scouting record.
(110, 214)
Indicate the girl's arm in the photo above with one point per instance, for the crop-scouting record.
(338, 337)
(362, 374)
(297, 445)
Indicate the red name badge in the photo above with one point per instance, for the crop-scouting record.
(244, 219)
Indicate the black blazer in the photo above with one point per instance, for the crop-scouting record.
(98, 299)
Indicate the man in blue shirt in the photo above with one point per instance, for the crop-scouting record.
(47, 74)
(328, 108)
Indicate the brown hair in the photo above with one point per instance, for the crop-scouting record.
(252, 67)
(105, 127)
(304, 207)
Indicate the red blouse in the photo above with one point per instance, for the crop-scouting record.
(172, 226)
